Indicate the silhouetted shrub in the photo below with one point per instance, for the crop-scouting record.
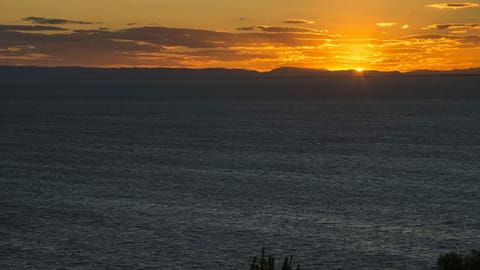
(265, 263)
(455, 261)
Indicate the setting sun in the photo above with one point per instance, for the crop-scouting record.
(359, 70)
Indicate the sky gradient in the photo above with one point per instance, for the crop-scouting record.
(263, 34)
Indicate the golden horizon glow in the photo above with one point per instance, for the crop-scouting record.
(334, 34)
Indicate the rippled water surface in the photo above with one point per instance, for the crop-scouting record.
(202, 174)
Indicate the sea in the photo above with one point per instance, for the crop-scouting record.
(338, 172)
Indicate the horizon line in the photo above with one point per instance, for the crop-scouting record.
(291, 68)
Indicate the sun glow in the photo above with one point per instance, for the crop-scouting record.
(359, 70)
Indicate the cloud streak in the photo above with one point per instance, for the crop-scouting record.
(42, 20)
(453, 26)
(279, 29)
(453, 5)
(298, 21)
(386, 24)
(4, 27)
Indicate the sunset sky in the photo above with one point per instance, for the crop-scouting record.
(262, 34)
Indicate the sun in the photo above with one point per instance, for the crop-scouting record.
(359, 70)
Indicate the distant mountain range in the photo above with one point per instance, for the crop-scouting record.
(73, 73)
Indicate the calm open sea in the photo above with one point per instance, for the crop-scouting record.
(382, 173)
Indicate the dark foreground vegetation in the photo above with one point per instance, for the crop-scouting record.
(264, 263)
(456, 261)
(449, 261)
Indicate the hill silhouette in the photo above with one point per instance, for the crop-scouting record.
(77, 73)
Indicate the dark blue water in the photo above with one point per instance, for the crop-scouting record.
(202, 174)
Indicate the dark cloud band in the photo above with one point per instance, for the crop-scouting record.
(451, 26)
(42, 20)
(30, 28)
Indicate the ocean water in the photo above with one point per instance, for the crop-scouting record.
(341, 173)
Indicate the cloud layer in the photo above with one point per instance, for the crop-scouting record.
(254, 47)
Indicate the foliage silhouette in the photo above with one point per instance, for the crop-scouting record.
(265, 263)
(455, 261)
